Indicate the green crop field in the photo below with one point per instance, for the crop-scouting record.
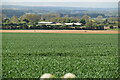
(29, 55)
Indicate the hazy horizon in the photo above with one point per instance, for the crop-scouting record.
(66, 4)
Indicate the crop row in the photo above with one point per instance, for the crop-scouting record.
(29, 55)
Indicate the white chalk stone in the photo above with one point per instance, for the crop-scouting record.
(46, 75)
(69, 75)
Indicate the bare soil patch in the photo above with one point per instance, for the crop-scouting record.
(63, 31)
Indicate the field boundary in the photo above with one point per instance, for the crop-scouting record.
(63, 31)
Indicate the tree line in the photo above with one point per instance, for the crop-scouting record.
(30, 21)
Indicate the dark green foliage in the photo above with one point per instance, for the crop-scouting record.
(83, 21)
(26, 20)
(111, 27)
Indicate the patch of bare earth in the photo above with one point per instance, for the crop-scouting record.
(63, 31)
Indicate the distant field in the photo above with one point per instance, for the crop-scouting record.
(29, 55)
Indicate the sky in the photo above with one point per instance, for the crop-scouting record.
(66, 3)
(60, 0)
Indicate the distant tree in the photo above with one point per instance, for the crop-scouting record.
(2, 17)
(26, 20)
(118, 24)
(83, 21)
(91, 24)
(112, 19)
(49, 16)
(99, 19)
(14, 19)
(74, 19)
(86, 18)
(111, 27)
(30, 18)
(105, 21)
(6, 21)
(94, 25)
(23, 17)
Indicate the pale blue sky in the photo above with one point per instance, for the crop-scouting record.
(60, 0)
(61, 3)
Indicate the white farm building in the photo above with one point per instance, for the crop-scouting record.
(69, 23)
(45, 22)
(78, 24)
(53, 23)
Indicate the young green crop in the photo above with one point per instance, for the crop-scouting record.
(29, 55)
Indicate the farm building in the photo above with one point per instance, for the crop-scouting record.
(46, 22)
(57, 24)
(69, 23)
(53, 23)
(106, 27)
(78, 24)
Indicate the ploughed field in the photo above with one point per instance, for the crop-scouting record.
(29, 55)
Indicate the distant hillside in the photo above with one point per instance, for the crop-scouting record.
(16, 10)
